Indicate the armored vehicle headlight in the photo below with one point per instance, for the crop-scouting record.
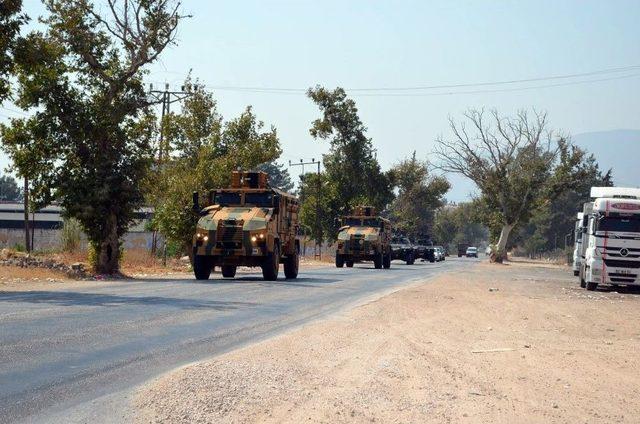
(206, 238)
(261, 235)
(254, 239)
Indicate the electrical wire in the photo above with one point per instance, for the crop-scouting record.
(283, 90)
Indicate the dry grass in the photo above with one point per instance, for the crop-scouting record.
(15, 272)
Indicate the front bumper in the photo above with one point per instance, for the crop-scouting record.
(610, 271)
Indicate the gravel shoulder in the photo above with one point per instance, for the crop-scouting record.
(512, 343)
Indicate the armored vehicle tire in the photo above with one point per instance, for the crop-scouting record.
(291, 265)
(377, 261)
(583, 283)
(229, 271)
(271, 265)
(386, 261)
(339, 261)
(592, 286)
(349, 264)
(202, 266)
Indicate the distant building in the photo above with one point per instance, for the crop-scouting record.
(47, 225)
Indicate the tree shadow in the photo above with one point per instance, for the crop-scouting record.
(63, 298)
(297, 282)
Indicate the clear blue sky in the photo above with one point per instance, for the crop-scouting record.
(361, 43)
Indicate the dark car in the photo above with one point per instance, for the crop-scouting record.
(402, 248)
(424, 249)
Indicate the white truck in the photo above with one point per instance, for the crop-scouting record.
(612, 255)
(577, 247)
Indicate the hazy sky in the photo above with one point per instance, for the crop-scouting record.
(361, 44)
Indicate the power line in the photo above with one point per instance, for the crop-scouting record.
(289, 90)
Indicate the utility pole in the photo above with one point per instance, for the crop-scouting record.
(27, 239)
(167, 97)
(318, 248)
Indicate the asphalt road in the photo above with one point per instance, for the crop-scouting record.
(75, 355)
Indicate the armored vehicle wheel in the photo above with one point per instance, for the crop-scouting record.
(202, 266)
(386, 261)
(339, 261)
(271, 265)
(291, 265)
(229, 271)
(349, 264)
(592, 286)
(377, 261)
(583, 283)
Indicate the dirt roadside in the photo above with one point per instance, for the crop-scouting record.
(504, 344)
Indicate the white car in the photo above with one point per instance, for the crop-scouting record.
(439, 253)
(472, 252)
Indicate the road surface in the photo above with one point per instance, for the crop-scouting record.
(75, 355)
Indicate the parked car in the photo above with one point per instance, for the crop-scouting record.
(472, 252)
(439, 251)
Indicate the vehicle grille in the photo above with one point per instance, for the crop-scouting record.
(616, 263)
(229, 234)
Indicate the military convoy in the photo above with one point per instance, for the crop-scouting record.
(363, 236)
(253, 224)
(248, 224)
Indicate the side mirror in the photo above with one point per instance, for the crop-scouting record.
(196, 202)
(276, 203)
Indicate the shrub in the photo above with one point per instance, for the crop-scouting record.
(71, 235)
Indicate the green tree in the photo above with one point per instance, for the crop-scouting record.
(352, 173)
(278, 175)
(203, 159)
(10, 22)
(82, 79)
(419, 195)
(553, 221)
(517, 164)
(9, 190)
(459, 223)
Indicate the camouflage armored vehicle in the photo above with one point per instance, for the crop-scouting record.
(364, 236)
(248, 224)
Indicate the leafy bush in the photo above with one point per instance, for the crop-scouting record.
(71, 235)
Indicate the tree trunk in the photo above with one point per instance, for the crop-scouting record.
(108, 252)
(500, 253)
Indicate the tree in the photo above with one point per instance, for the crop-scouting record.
(553, 221)
(9, 190)
(205, 152)
(82, 79)
(278, 175)
(516, 162)
(459, 223)
(10, 22)
(352, 173)
(419, 195)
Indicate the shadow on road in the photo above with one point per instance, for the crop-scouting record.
(298, 282)
(63, 298)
